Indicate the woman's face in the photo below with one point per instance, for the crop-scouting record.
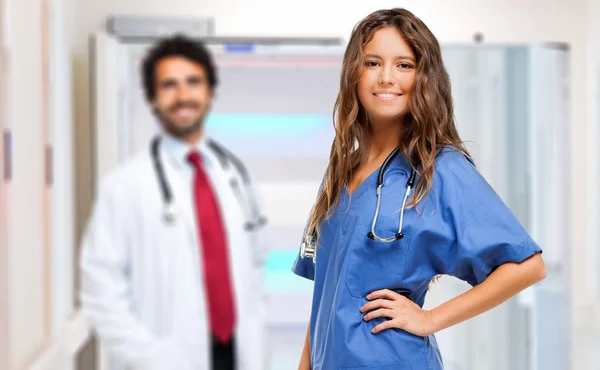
(388, 76)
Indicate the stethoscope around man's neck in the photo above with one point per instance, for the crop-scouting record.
(169, 210)
(254, 220)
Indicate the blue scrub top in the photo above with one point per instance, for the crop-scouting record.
(463, 230)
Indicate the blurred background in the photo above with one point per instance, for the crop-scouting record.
(526, 83)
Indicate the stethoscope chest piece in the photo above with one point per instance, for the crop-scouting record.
(170, 214)
(308, 249)
(252, 226)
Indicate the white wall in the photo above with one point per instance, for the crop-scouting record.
(61, 137)
(589, 324)
(37, 327)
(451, 21)
(25, 258)
(593, 120)
(3, 197)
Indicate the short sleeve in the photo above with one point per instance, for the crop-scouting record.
(304, 267)
(487, 234)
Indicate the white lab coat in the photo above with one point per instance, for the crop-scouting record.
(142, 281)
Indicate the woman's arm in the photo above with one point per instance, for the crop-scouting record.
(305, 359)
(508, 280)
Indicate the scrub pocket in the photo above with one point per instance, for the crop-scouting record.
(374, 265)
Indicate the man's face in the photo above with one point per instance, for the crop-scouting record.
(182, 97)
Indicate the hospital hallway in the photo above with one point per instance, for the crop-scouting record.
(75, 108)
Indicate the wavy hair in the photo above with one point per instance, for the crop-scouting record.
(429, 125)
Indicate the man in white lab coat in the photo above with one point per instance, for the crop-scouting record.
(171, 269)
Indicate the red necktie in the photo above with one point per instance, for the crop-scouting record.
(217, 278)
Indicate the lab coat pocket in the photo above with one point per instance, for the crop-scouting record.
(374, 265)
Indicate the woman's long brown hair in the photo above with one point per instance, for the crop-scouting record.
(429, 126)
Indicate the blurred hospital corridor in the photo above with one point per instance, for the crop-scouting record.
(525, 78)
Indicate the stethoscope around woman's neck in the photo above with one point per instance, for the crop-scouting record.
(409, 185)
(309, 246)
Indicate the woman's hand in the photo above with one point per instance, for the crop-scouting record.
(402, 313)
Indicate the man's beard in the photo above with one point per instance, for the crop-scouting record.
(178, 131)
(182, 132)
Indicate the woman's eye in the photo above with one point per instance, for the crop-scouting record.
(371, 64)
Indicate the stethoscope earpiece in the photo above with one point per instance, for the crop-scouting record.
(398, 236)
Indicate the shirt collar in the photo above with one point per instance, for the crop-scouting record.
(177, 150)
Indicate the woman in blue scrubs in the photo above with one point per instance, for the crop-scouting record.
(369, 292)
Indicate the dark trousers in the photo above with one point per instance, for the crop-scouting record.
(223, 355)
